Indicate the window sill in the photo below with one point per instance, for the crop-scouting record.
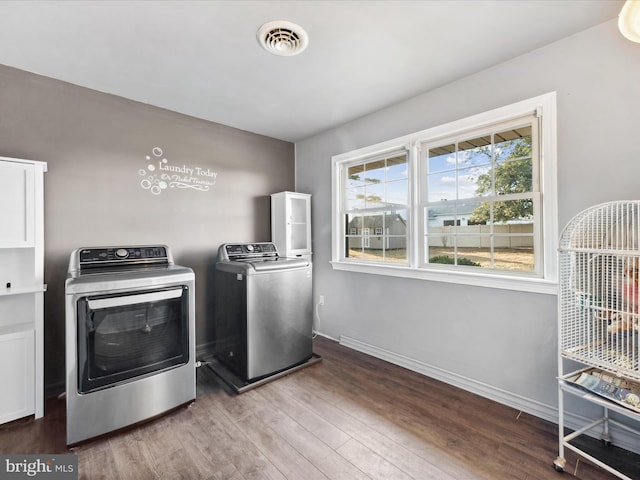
(533, 285)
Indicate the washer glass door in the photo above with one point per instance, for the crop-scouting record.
(123, 336)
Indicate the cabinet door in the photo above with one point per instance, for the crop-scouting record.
(16, 375)
(16, 204)
(299, 224)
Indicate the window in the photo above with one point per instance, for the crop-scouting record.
(461, 202)
(480, 198)
(376, 199)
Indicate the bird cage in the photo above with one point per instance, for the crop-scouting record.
(599, 260)
(598, 303)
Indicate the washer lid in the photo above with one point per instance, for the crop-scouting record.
(279, 263)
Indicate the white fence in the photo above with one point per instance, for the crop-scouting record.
(473, 236)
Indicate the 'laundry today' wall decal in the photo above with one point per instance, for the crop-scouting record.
(160, 175)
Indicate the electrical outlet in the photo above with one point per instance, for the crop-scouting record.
(321, 300)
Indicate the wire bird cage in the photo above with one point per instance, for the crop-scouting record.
(599, 260)
(598, 309)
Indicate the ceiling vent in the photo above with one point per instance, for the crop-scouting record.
(282, 38)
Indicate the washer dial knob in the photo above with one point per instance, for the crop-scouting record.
(122, 253)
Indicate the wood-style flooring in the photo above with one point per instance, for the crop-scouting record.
(348, 417)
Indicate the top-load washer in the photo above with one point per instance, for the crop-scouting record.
(263, 310)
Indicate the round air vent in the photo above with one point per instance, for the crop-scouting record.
(282, 38)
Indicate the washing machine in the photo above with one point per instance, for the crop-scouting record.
(263, 310)
(130, 338)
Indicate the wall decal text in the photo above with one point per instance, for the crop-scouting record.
(160, 175)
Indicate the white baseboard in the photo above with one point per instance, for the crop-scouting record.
(622, 438)
(325, 336)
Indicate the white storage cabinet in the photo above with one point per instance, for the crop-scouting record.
(21, 288)
(291, 224)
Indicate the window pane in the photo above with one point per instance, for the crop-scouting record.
(374, 254)
(470, 238)
(355, 177)
(470, 155)
(514, 177)
(515, 252)
(474, 181)
(474, 250)
(353, 224)
(375, 195)
(513, 211)
(378, 184)
(441, 186)
(441, 158)
(354, 248)
(397, 168)
(453, 237)
(513, 143)
(510, 259)
(436, 217)
(377, 237)
(440, 249)
(479, 213)
(354, 198)
(374, 172)
(479, 143)
(398, 193)
(446, 214)
(396, 249)
(395, 222)
(353, 239)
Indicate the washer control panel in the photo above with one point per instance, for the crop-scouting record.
(239, 251)
(112, 256)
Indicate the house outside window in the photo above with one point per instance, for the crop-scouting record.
(461, 202)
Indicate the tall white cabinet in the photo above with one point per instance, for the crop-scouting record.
(21, 288)
(291, 223)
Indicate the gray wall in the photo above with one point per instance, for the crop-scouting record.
(497, 342)
(96, 146)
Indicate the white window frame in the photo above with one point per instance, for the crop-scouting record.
(532, 119)
(545, 107)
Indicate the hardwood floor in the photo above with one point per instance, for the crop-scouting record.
(348, 417)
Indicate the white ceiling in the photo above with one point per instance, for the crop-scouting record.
(201, 58)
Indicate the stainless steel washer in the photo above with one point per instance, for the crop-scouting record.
(263, 310)
(130, 338)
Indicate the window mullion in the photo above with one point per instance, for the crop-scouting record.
(416, 220)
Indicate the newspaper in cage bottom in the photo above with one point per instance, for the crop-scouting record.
(619, 390)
